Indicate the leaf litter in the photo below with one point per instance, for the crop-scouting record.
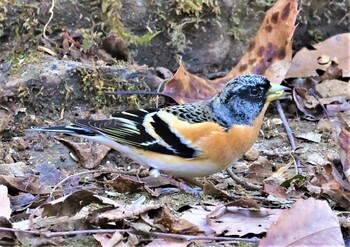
(113, 207)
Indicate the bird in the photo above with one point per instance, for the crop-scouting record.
(186, 140)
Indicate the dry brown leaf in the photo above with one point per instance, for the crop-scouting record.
(27, 239)
(125, 183)
(30, 184)
(68, 206)
(323, 177)
(231, 221)
(121, 213)
(175, 224)
(185, 87)
(15, 169)
(110, 240)
(5, 205)
(171, 242)
(306, 62)
(5, 118)
(268, 54)
(6, 236)
(234, 221)
(88, 154)
(308, 223)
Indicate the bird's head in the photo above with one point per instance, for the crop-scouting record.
(243, 98)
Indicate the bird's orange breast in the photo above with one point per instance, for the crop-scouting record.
(219, 146)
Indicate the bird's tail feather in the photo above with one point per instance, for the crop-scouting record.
(66, 129)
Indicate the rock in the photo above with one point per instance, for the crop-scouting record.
(252, 154)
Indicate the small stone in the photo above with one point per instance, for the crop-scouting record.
(8, 159)
(324, 125)
(21, 144)
(252, 154)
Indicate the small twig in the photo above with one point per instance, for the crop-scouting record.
(289, 132)
(79, 174)
(334, 136)
(158, 91)
(241, 182)
(154, 234)
(48, 22)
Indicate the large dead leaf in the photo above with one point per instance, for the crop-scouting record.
(231, 221)
(268, 54)
(306, 62)
(68, 206)
(308, 223)
(5, 209)
(185, 87)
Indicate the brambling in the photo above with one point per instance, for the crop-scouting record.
(187, 140)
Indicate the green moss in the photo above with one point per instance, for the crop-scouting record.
(111, 16)
(184, 14)
(196, 7)
(22, 59)
(237, 31)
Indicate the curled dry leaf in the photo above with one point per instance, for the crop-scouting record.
(308, 223)
(6, 236)
(268, 54)
(88, 154)
(175, 224)
(185, 87)
(68, 206)
(306, 62)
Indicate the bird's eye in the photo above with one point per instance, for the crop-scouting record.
(254, 91)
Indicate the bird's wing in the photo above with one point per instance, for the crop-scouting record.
(145, 129)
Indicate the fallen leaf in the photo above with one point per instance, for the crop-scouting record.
(185, 87)
(15, 169)
(110, 240)
(89, 155)
(28, 239)
(124, 212)
(6, 236)
(5, 205)
(270, 52)
(344, 151)
(316, 159)
(171, 242)
(333, 88)
(175, 224)
(5, 118)
(308, 223)
(234, 221)
(313, 137)
(30, 184)
(306, 62)
(68, 206)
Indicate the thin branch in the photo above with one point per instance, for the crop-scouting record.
(241, 182)
(153, 234)
(289, 133)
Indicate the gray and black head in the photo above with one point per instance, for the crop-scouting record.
(241, 101)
